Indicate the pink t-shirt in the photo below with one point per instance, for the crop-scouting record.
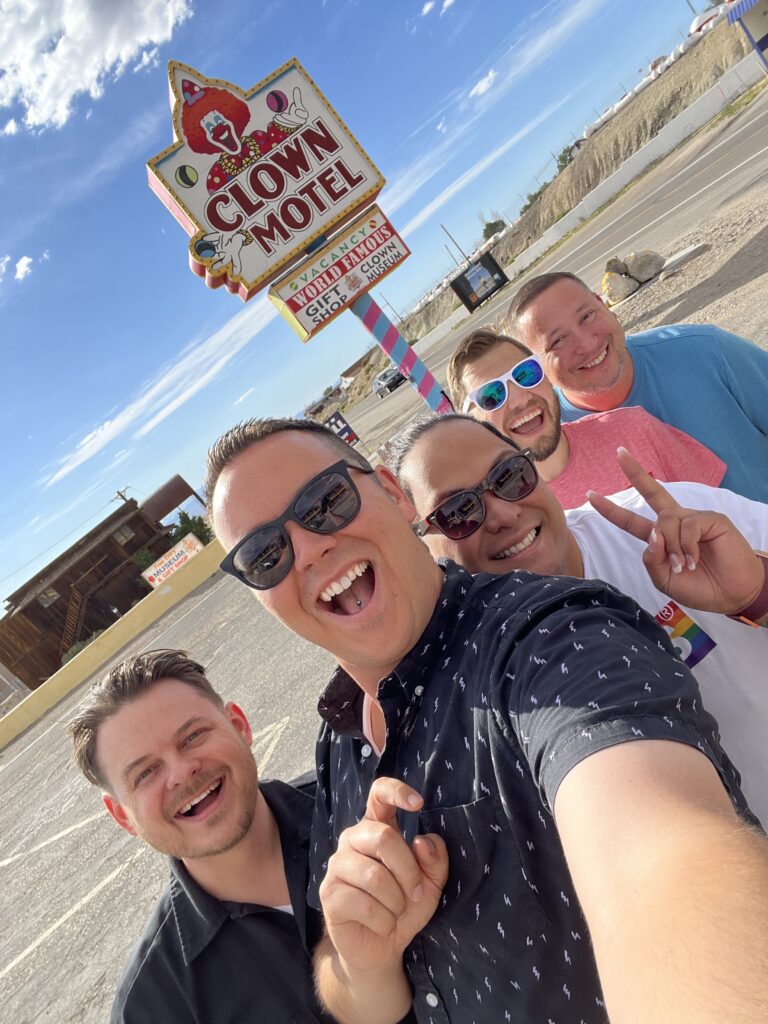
(665, 452)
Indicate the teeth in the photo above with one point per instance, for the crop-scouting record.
(202, 796)
(526, 542)
(525, 419)
(344, 582)
(597, 361)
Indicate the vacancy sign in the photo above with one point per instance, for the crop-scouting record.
(257, 176)
(157, 573)
(332, 278)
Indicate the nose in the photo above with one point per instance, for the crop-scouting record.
(182, 768)
(309, 548)
(499, 514)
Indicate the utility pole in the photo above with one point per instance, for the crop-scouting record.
(693, 9)
(389, 305)
(452, 256)
(445, 229)
(122, 494)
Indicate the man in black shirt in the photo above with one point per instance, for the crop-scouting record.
(540, 725)
(231, 937)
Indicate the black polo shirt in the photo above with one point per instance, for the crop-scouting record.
(206, 961)
(515, 680)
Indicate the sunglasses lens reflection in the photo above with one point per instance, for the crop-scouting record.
(528, 374)
(263, 559)
(460, 515)
(327, 505)
(492, 395)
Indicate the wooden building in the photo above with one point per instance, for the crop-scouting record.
(87, 588)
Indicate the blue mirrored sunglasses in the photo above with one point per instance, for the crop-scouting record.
(493, 393)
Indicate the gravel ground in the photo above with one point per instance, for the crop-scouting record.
(727, 285)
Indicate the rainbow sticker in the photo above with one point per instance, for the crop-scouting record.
(689, 639)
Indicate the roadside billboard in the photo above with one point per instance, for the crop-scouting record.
(330, 280)
(157, 573)
(256, 176)
(478, 281)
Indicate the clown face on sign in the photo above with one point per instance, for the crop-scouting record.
(256, 177)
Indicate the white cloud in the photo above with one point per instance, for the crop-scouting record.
(529, 48)
(441, 126)
(244, 395)
(4, 261)
(481, 165)
(23, 267)
(45, 256)
(11, 127)
(485, 83)
(149, 59)
(446, 5)
(55, 50)
(174, 385)
(427, 7)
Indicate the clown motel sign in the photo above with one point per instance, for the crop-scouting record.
(256, 176)
(332, 278)
(157, 573)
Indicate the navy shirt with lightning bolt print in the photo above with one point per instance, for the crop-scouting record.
(515, 680)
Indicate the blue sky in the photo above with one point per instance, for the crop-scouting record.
(120, 366)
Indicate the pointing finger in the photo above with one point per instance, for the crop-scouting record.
(626, 520)
(656, 496)
(386, 796)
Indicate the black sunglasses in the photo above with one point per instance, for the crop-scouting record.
(326, 503)
(464, 512)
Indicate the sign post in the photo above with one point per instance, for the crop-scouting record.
(271, 186)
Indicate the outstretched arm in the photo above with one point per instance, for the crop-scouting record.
(673, 885)
(378, 893)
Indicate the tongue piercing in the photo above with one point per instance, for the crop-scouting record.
(358, 602)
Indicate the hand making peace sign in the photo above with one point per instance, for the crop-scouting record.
(695, 556)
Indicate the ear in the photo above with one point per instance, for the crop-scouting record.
(118, 813)
(239, 721)
(395, 492)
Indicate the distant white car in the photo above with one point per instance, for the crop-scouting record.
(387, 381)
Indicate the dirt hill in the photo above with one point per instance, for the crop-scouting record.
(682, 83)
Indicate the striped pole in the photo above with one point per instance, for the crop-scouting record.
(400, 352)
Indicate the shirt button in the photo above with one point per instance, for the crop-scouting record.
(431, 999)
(418, 690)
(365, 750)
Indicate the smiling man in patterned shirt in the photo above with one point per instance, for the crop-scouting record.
(544, 730)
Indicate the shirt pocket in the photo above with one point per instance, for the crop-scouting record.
(489, 896)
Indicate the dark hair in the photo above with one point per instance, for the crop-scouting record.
(403, 443)
(531, 290)
(244, 435)
(467, 351)
(123, 684)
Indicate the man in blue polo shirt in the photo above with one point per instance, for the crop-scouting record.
(696, 377)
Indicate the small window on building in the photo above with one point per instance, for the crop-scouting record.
(123, 534)
(48, 596)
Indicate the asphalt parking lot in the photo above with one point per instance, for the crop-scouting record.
(77, 889)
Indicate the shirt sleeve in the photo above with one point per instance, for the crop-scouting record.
(744, 367)
(595, 671)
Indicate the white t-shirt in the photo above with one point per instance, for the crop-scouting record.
(728, 658)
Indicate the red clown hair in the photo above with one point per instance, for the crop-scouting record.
(231, 106)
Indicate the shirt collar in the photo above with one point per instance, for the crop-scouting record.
(341, 704)
(199, 915)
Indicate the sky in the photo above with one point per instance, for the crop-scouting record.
(120, 367)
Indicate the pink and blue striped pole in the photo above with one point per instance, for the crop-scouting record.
(400, 352)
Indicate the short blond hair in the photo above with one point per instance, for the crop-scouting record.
(468, 351)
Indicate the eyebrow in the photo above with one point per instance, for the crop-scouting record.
(579, 309)
(444, 495)
(130, 768)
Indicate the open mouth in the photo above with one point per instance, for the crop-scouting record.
(528, 424)
(520, 547)
(351, 593)
(596, 362)
(202, 802)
